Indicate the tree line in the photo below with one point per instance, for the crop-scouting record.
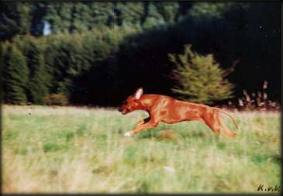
(28, 18)
(100, 52)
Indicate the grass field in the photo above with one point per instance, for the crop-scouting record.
(68, 149)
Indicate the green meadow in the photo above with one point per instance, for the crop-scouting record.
(83, 150)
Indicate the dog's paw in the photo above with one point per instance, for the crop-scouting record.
(128, 134)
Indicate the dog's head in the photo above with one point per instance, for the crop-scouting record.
(132, 102)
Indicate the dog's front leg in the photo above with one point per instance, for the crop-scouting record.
(140, 127)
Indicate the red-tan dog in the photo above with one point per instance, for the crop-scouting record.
(168, 110)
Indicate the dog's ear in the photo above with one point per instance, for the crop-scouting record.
(138, 93)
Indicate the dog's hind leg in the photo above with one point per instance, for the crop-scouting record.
(215, 127)
(227, 131)
(224, 128)
(212, 124)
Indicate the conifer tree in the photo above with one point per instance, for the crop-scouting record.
(38, 84)
(15, 18)
(200, 78)
(15, 76)
(3, 48)
(153, 17)
(168, 10)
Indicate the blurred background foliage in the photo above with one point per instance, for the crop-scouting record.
(97, 53)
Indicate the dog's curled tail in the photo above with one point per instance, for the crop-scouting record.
(223, 111)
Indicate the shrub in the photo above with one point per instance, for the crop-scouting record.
(199, 78)
(55, 99)
(258, 100)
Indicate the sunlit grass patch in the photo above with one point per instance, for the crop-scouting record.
(66, 149)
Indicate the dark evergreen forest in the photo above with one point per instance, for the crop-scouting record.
(98, 53)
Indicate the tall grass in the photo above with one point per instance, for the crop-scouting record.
(82, 150)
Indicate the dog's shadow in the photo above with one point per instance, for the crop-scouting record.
(148, 134)
(170, 134)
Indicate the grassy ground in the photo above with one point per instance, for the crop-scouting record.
(69, 149)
